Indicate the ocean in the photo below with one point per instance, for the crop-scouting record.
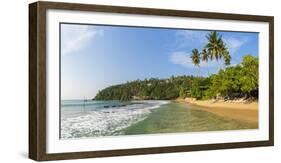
(89, 118)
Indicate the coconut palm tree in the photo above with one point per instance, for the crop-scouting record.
(195, 57)
(205, 55)
(213, 45)
(227, 58)
(216, 48)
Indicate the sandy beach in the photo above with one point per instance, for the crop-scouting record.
(182, 117)
(238, 110)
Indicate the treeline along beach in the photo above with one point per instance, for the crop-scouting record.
(239, 81)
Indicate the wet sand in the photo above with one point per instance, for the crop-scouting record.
(178, 117)
(238, 110)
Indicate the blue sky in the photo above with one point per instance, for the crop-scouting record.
(94, 57)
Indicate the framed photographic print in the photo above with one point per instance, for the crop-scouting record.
(112, 81)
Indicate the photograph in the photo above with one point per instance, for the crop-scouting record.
(107, 80)
(130, 80)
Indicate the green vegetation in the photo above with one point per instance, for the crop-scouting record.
(148, 89)
(238, 81)
(214, 49)
(174, 117)
(232, 82)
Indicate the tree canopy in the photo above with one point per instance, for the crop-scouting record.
(215, 48)
(240, 80)
(236, 81)
(148, 89)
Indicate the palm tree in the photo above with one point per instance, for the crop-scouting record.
(227, 58)
(205, 55)
(195, 56)
(216, 48)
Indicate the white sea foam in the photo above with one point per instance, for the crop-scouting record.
(108, 121)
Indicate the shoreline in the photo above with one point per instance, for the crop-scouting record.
(238, 110)
(161, 117)
(106, 120)
(178, 117)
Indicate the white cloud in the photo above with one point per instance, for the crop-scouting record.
(234, 44)
(75, 37)
(197, 39)
(183, 59)
(187, 38)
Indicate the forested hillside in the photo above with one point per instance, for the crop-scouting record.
(230, 82)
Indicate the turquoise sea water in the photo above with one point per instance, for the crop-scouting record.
(88, 118)
(72, 108)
